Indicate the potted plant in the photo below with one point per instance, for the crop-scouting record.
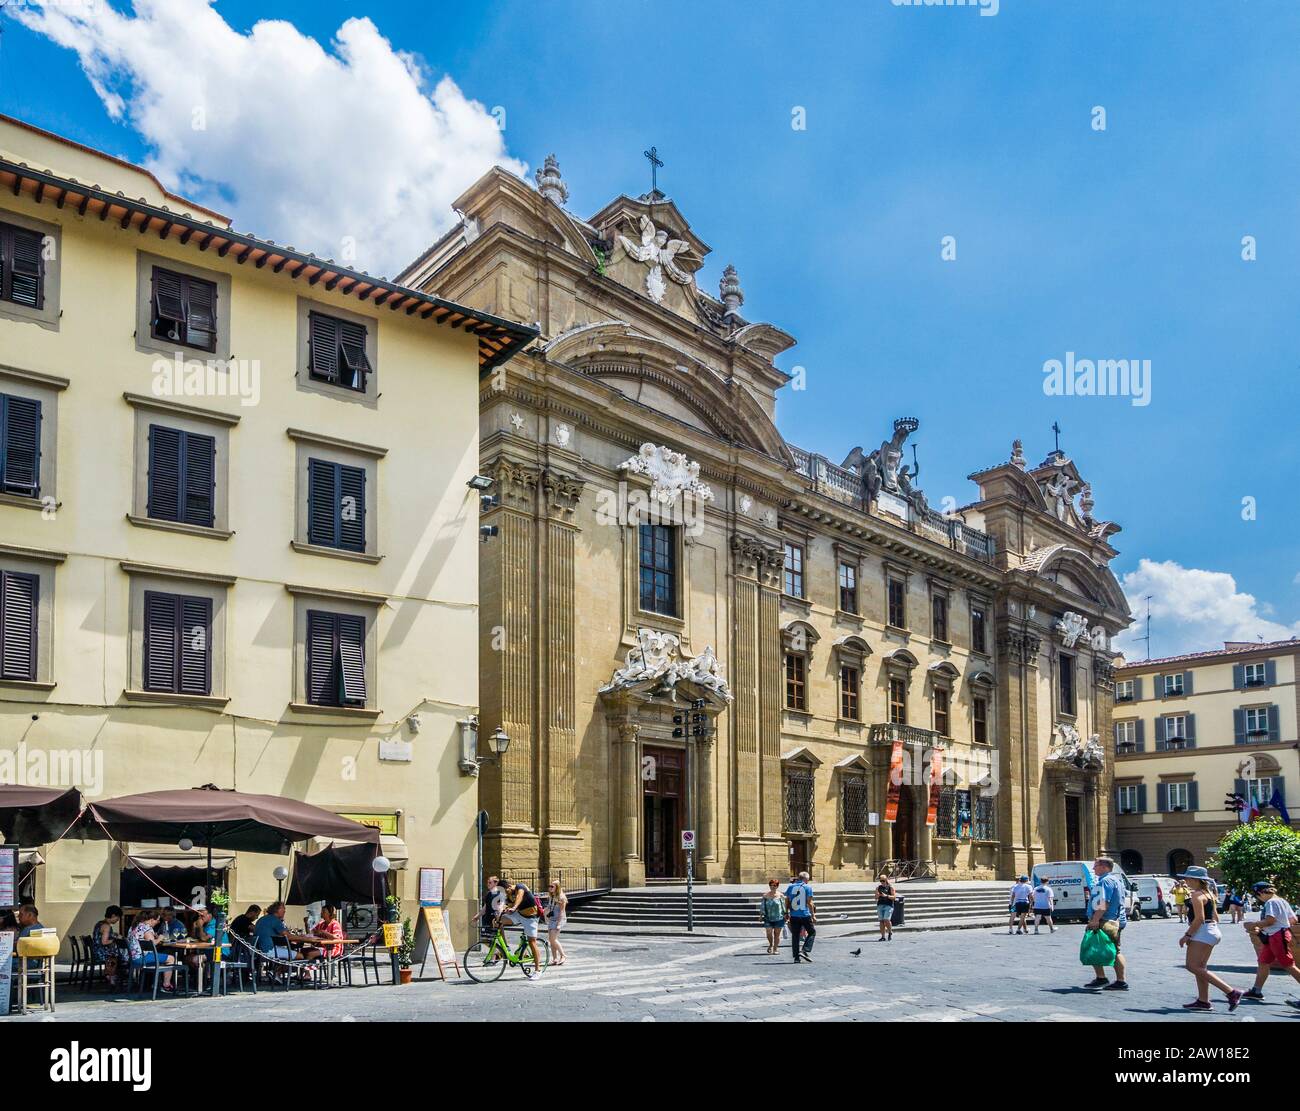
(406, 952)
(219, 904)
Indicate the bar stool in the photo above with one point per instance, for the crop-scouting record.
(42, 948)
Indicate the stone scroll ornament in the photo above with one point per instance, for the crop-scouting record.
(670, 473)
(658, 656)
(661, 253)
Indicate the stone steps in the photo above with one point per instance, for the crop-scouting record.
(666, 909)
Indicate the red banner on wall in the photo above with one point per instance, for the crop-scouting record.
(936, 778)
(895, 782)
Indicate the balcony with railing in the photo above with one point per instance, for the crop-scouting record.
(847, 487)
(887, 732)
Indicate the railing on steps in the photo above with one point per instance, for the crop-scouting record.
(578, 883)
(909, 869)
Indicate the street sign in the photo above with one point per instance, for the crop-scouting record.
(688, 839)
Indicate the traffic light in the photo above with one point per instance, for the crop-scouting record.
(1235, 803)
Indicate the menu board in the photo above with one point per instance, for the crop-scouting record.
(431, 887)
(432, 932)
(8, 875)
(7, 939)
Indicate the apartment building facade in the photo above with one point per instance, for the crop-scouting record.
(1191, 730)
(236, 542)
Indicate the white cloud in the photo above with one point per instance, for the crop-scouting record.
(1193, 611)
(300, 144)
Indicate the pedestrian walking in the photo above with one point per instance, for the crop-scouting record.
(886, 897)
(772, 910)
(1021, 900)
(1044, 905)
(494, 901)
(1200, 939)
(1237, 907)
(1109, 916)
(557, 917)
(1273, 932)
(1180, 900)
(803, 917)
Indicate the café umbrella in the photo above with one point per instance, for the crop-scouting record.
(32, 816)
(216, 818)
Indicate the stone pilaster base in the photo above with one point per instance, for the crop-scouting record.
(629, 873)
(506, 850)
(563, 848)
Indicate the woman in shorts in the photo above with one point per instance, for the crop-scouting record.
(774, 914)
(1200, 939)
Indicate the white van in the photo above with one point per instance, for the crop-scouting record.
(1073, 882)
(1155, 893)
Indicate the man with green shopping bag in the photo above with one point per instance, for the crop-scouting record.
(1108, 917)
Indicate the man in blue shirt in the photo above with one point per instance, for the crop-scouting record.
(1109, 916)
(803, 916)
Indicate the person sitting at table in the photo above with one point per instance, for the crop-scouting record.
(103, 942)
(143, 930)
(170, 928)
(242, 924)
(29, 919)
(205, 929)
(329, 926)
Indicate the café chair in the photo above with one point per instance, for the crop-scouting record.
(77, 965)
(178, 968)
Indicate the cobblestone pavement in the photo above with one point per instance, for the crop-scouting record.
(945, 976)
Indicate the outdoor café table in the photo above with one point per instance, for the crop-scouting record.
(320, 942)
(183, 948)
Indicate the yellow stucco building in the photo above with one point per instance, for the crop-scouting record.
(236, 539)
(1191, 730)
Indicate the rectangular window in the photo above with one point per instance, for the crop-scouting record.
(1128, 798)
(1067, 705)
(22, 266)
(336, 659)
(946, 820)
(980, 717)
(658, 569)
(182, 476)
(1261, 790)
(177, 643)
(1124, 690)
(939, 610)
(978, 630)
(854, 804)
(898, 701)
(184, 310)
(794, 570)
(796, 681)
(1173, 685)
(941, 717)
(1125, 736)
(1256, 722)
(986, 826)
(799, 811)
(19, 607)
(898, 603)
(849, 693)
(848, 588)
(1178, 796)
(1257, 675)
(337, 351)
(20, 446)
(1176, 731)
(336, 505)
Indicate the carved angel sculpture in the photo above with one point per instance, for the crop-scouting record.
(661, 252)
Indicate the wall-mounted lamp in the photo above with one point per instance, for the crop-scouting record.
(480, 482)
(470, 760)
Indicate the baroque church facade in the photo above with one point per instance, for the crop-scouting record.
(690, 625)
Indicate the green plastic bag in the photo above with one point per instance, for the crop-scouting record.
(1097, 949)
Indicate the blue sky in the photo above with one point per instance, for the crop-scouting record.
(924, 123)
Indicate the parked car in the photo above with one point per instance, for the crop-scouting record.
(1155, 893)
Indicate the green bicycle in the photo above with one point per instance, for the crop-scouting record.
(486, 961)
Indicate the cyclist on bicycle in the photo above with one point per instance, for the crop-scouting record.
(523, 910)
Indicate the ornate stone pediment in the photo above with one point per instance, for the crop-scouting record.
(670, 472)
(656, 660)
